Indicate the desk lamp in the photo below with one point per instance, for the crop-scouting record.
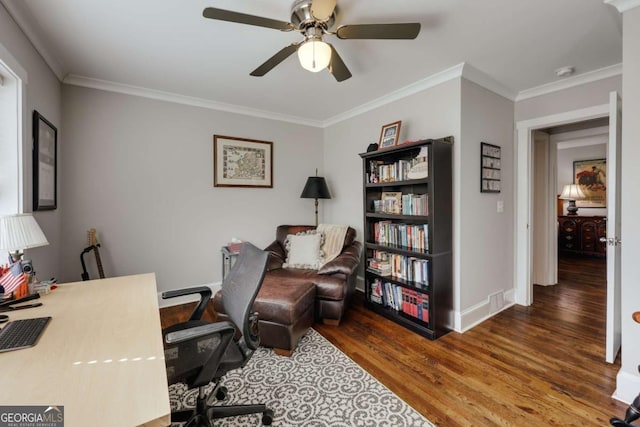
(572, 192)
(316, 188)
(19, 232)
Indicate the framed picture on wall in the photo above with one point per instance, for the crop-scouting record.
(490, 168)
(45, 164)
(241, 162)
(591, 176)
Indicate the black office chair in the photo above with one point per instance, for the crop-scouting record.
(198, 352)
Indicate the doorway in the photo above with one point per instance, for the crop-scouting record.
(524, 208)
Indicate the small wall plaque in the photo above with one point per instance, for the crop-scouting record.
(490, 168)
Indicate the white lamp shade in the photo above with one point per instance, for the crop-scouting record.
(314, 55)
(572, 192)
(19, 232)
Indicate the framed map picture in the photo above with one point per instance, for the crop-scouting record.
(591, 176)
(241, 162)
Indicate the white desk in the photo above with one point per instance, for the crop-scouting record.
(101, 355)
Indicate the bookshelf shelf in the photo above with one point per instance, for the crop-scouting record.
(401, 282)
(397, 183)
(414, 251)
(418, 218)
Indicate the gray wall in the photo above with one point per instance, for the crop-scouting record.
(574, 98)
(141, 172)
(459, 108)
(43, 93)
(432, 113)
(486, 235)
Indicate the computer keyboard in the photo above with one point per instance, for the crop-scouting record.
(22, 333)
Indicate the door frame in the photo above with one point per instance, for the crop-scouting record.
(523, 161)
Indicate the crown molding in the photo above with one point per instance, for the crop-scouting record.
(623, 5)
(14, 66)
(472, 74)
(461, 70)
(591, 76)
(419, 86)
(108, 86)
(19, 17)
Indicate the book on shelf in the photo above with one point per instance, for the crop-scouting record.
(401, 170)
(380, 267)
(401, 267)
(400, 299)
(410, 236)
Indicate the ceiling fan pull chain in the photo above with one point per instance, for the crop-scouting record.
(314, 55)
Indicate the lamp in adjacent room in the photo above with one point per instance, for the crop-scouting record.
(316, 188)
(572, 192)
(19, 232)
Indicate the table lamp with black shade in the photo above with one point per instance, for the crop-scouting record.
(315, 188)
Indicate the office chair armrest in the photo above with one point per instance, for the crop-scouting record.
(205, 296)
(199, 331)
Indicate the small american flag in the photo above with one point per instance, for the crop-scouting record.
(13, 280)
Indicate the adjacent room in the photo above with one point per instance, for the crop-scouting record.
(320, 212)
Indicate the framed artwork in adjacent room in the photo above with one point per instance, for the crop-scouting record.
(389, 135)
(45, 164)
(241, 162)
(591, 176)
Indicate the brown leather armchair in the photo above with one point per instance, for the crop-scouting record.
(335, 281)
(290, 300)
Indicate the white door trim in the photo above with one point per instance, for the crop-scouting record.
(524, 190)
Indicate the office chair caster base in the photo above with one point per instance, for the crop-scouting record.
(267, 417)
(221, 393)
(617, 422)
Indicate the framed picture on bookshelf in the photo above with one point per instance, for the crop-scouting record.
(391, 202)
(389, 135)
(241, 162)
(490, 168)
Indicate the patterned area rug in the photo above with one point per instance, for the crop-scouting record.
(317, 386)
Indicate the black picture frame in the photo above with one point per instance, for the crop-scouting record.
(490, 168)
(45, 164)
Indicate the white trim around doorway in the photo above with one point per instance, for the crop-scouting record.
(523, 161)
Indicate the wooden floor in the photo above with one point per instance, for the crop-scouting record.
(541, 365)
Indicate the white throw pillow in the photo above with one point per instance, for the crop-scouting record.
(303, 250)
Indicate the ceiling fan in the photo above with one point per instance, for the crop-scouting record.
(314, 18)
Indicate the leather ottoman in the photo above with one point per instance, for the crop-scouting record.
(285, 313)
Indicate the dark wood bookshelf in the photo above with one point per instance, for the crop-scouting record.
(438, 222)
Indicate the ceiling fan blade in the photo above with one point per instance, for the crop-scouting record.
(337, 66)
(243, 18)
(323, 9)
(270, 63)
(379, 31)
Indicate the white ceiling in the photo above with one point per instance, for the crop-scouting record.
(166, 45)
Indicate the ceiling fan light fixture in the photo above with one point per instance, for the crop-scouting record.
(314, 55)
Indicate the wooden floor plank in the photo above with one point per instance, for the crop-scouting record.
(541, 365)
(526, 366)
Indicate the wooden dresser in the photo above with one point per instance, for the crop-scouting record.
(580, 235)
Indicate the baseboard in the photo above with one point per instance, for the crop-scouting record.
(163, 303)
(477, 314)
(627, 387)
